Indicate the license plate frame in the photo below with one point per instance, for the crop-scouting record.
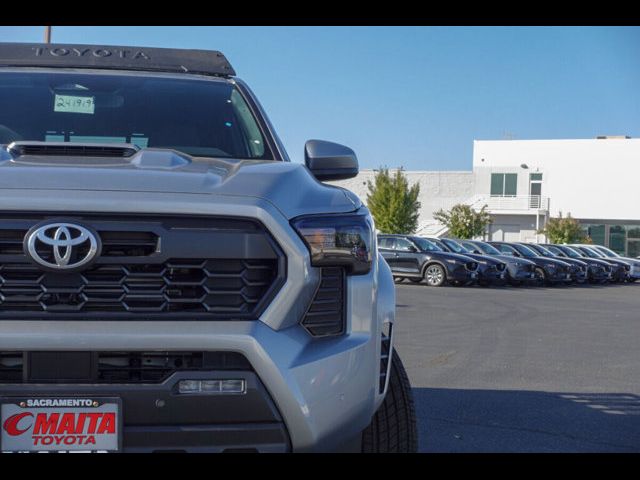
(106, 442)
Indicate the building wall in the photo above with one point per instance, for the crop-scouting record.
(513, 228)
(437, 189)
(592, 178)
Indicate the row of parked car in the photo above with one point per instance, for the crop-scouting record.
(438, 261)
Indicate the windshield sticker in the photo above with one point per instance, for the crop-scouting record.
(74, 104)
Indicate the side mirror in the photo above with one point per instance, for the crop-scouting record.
(330, 161)
(412, 249)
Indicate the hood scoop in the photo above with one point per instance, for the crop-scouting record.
(66, 149)
(93, 154)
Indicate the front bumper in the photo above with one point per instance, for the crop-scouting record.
(460, 273)
(324, 389)
(491, 275)
(156, 418)
(558, 275)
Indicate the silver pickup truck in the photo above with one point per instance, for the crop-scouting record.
(169, 280)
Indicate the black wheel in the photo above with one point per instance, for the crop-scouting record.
(631, 280)
(393, 428)
(541, 276)
(435, 275)
(415, 280)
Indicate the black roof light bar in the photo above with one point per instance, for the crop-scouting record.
(205, 62)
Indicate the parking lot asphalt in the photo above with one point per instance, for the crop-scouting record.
(523, 369)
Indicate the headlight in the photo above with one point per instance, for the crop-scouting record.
(338, 240)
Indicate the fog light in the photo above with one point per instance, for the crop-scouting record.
(232, 386)
(189, 386)
(211, 386)
(227, 386)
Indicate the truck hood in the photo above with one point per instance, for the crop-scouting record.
(290, 187)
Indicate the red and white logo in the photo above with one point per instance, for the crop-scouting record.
(59, 428)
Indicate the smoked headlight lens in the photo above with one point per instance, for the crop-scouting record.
(338, 240)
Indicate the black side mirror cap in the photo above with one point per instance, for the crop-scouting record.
(330, 161)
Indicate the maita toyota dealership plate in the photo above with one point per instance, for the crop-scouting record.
(60, 424)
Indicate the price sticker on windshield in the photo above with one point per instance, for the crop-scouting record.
(74, 104)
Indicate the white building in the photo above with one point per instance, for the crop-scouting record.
(524, 182)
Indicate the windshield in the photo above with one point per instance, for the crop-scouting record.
(488, 249)
(525, 251)
(557, 251)
(542, 251)
(572, 252)
(455, 246)
(426, 245)
(196, 116)
(590, 253)
(606, 251)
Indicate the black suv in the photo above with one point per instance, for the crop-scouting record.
(578, 267)
(598, 271)
(621, 269)
(491, 270)
(417, 258)
(548, 270)
(519, 270)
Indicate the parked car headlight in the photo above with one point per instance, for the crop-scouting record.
(338, 240)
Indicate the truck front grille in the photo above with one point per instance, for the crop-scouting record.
(219, 287)
(150, 267)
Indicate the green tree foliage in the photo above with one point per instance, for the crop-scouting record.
(463, 221)
(393, 203)
(564, 230)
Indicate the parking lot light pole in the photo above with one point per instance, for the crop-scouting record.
(47, 34)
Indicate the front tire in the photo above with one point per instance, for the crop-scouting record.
(435, 275)
(541, 277)
(393, 428)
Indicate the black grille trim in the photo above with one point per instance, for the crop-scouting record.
(326, 313)
(385, 357)
(112, 367)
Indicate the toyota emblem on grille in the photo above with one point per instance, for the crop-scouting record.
(62, 246)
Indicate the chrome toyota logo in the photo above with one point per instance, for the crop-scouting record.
(62, 246)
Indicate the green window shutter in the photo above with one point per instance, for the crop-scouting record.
(511, 184)
(497, 184)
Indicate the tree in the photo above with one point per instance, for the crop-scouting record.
(463, 221)
(564, 230)
(392, 203)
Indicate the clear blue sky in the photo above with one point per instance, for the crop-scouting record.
(415, 96)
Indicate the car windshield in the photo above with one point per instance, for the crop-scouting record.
(556, 251)
(200, 117)
(488, 249)
(455, 246)
(606, 252)
(525, 251)
(591, 253)
(427, 245)
(572, 252)
(542, 251)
